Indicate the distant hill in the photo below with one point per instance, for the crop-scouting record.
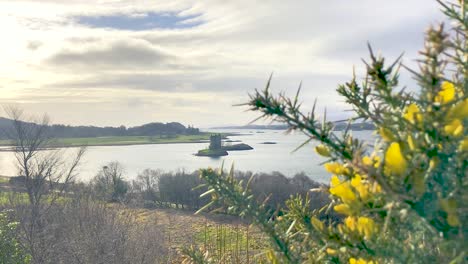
(339, 126)
(271, 127)
(150, 129)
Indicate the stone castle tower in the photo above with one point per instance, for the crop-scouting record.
(215, 141)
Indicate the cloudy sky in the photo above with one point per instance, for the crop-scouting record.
(113, 62)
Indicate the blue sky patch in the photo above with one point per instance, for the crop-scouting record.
(145, 21)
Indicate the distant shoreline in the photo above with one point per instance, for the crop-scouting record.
(122, 141)
(339, 126)
(112, 145)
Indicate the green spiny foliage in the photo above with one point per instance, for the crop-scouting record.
(11, 251)
(405, 200)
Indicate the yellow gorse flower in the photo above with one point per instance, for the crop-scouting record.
(335, 181)
(386, 134)
(360, 261)
(395, 162)
(464, 144)
(350, 223)
(322, 150)
(377, 161)
(454, 128)
(361, 186)
(365, 226)
(366, 160)
(459, 110)
(433, 163)
(336, 168)
(343, 209)
(412, 114)
(411, 144)
(446, 93)
(317, 223)
(374, 161)
(376, 188)
(344, 191)
(349, 191)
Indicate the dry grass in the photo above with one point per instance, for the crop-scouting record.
(220, 234)
(183, 227)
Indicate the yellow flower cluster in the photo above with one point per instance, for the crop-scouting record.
(446, 93)
(459, 110)
(395, 161)
(456, 113)
(454, 128)
(413, 114)
(342, 190)
(374, 161)
(365, 226)
(336, 168)
(361, 261)
(350, 192)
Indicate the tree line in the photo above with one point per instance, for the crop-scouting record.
(181, 189)
(66, 131)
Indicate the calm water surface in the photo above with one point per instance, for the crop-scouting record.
(173, 157)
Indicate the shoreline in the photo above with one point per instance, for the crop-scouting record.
(122, 141)
(3, 148)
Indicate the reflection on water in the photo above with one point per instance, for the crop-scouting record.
(171, 157)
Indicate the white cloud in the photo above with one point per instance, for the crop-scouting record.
(50, 61)
(121, 55)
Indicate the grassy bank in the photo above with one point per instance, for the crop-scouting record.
(126, 140)
(212, 152)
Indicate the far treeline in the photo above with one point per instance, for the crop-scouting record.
(150, 129)
(338, 126)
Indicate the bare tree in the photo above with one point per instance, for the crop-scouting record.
(110, 184)
(44, 170)
(147, 186)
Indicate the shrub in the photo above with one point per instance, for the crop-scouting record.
(147, 186)
(11, 251)
(405, 201)
(83, 230)
(109, 183)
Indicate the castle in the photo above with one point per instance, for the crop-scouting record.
(215, 142)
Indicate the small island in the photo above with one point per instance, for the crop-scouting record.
(216, 149)
(235, 147)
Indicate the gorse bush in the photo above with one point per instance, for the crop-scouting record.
(11, 251)
(403, 199)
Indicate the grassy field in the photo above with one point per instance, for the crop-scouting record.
(227, 238)
(125, 140)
